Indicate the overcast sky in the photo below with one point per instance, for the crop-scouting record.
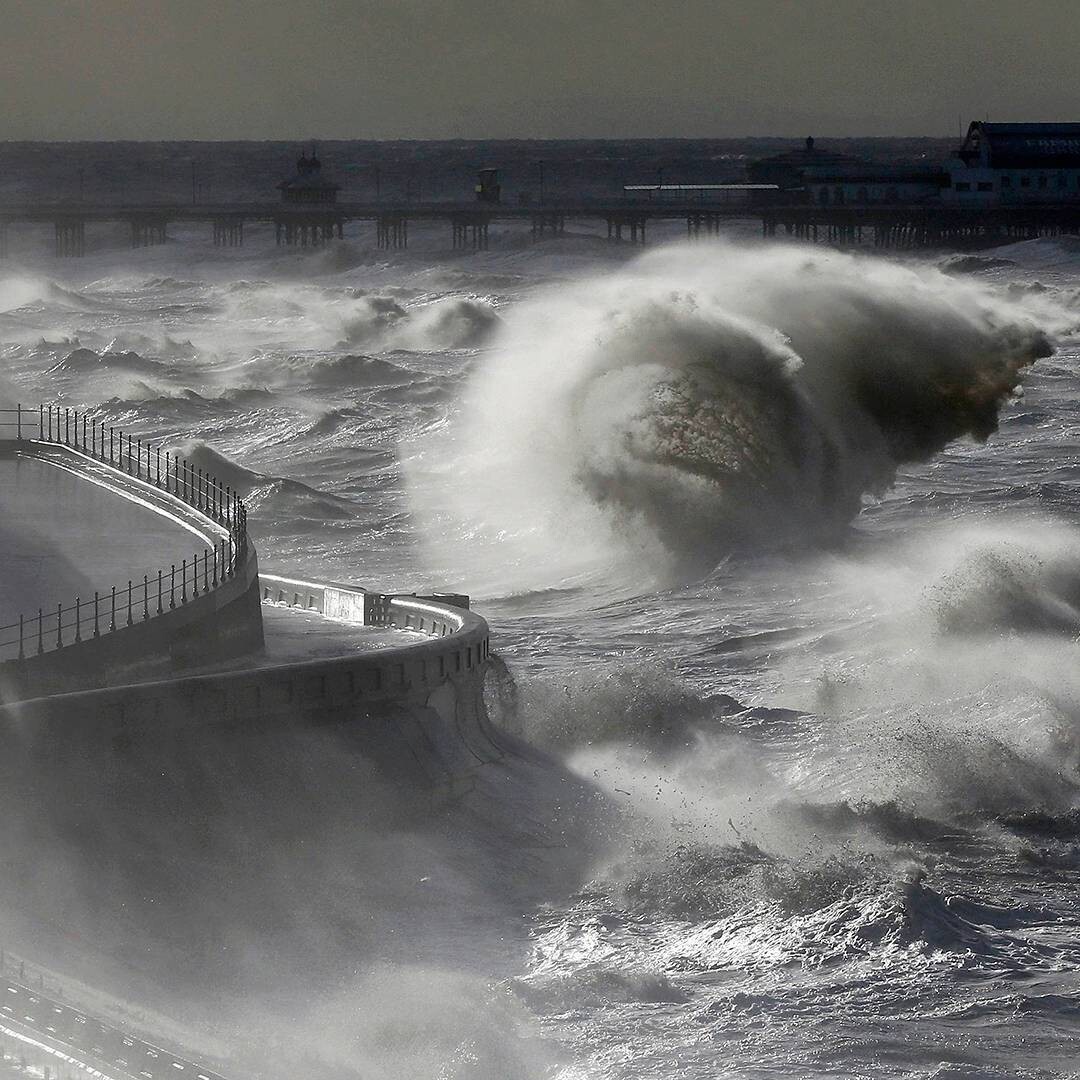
(264, 69)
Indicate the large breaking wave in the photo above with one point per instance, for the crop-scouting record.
(708, 398)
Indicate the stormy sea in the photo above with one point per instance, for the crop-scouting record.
(776, 545)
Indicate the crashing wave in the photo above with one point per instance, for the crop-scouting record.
(696, 402)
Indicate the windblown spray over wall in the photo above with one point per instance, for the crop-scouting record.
(707, 398)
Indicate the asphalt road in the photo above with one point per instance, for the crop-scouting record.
(93, 1042)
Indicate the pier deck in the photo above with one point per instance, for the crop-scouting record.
(886, 226)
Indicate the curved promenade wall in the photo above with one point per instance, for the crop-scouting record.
(415, 712)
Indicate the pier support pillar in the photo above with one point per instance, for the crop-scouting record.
(148, 232)
(548, 222)
(303, 230)
(392, 231)
(229, 232)
(469, 231)
(70, 239)
(634, 222)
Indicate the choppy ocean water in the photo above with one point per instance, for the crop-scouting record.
(778, 546)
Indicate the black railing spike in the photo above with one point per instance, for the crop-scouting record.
(183, 581)
(78, 619)
(112, 611)
(172, 587)
(97, 631)
(130, 619)
(40, 632)
(195, 575)
(59, 626)
(160, 609)
(206, 571)
(145, 597)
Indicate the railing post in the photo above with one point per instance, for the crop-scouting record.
(215, 565)
(111, 431)
(172, 587)
(199, 492)
(67, 426)
(183, 581)
(195, 575)
(130, 620)
(112, 613)
(145, 597)
(59, 626)
(97, 629)
(138, 459)
(205, 571)
(157, 455)
(78, 619)
(159, 607)
(18, 421)
(40, 632)
(84, 432)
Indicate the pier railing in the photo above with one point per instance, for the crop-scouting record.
(166, 589)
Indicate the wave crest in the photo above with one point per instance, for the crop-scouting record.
(698, 401)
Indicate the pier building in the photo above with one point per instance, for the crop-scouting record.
(1015, 165)
(308, 186)
(874, 185)
(791, 170)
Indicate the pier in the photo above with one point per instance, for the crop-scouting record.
(468, 224)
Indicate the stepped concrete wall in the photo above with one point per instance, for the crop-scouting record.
(415, 713)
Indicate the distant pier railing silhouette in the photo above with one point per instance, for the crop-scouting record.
(48, 629)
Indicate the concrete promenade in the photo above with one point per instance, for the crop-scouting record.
(63, 536)
(121, 703)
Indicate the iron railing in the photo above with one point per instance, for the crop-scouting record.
(157, 593)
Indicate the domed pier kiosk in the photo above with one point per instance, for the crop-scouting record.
(165, 704)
